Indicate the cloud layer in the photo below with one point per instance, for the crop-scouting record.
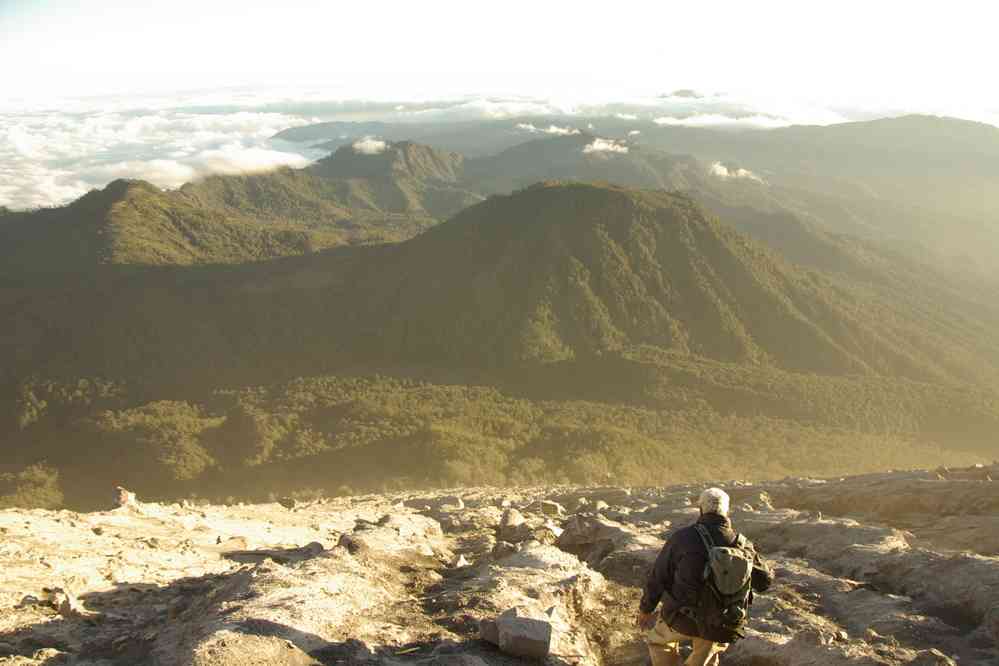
(721, 171)
(551, 129)
(54, 151)
(720, 120)
(605, 146)
(50, 158)
(369, 146)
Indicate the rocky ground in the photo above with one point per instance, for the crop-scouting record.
(896, 568)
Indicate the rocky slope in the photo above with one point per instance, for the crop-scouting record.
(868, 573)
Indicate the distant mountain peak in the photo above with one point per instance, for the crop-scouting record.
(374, 158)
(562, 270)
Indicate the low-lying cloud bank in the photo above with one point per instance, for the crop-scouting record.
(229, 159)
(50, 158)
(719, 120)
(51, 153)
(721, 171)
(551, 129)
(605, 146)
(369, 146)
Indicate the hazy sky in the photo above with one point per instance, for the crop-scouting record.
(92, 90)
(872, 53)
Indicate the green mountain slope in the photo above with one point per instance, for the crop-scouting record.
(558, 271)
(573, 158)
(560, 333)
(243, 218)
(927, 181)
(925, 184)
(552, 272)
(748, 204)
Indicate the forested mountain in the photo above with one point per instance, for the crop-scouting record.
(582, 156)
(347, 198)
(733, 317)
(922, 181)
(552, 272)
(561, 321)
(557, 271)
(402, 188)
(927, 185)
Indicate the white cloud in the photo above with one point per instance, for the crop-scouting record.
(229, 159)
(604, 146)
(52, 151)
(369, 146)
(634, 132)
(721, 171)
(24, 143)
(626, 116)
(164, 173)
(495, 108)
(551, 129)
(720, 120)
(50, 158)
(236, 158)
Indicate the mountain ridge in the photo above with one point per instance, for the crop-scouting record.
(564, 326)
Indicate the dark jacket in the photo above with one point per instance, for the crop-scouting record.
(677, 575)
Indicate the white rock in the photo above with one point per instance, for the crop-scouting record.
(523, 636)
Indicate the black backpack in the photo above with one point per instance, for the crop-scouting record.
(727, 591)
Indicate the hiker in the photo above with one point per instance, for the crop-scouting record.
(705, 577)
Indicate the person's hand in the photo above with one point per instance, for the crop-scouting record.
(645, 621)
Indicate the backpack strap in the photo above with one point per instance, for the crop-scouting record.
(705, 535)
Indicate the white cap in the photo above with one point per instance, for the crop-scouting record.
(714, 500)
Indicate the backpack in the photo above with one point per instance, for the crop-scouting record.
(724, 600)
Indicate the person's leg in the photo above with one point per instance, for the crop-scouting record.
(664, 645)
(706, 653)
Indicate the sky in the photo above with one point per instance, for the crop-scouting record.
(848, 52)
(170, 91)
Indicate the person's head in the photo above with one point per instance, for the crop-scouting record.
(714, 500)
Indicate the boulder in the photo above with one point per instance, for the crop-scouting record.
(524, 636)
(67, 605)
(548, 533)
(124, 498)
(452, 503)
(511, 518)
(503, 549)
(519, 632)
(611, 547)
(552, 509)
(514, 527)
(489, 630)
(932, 657)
